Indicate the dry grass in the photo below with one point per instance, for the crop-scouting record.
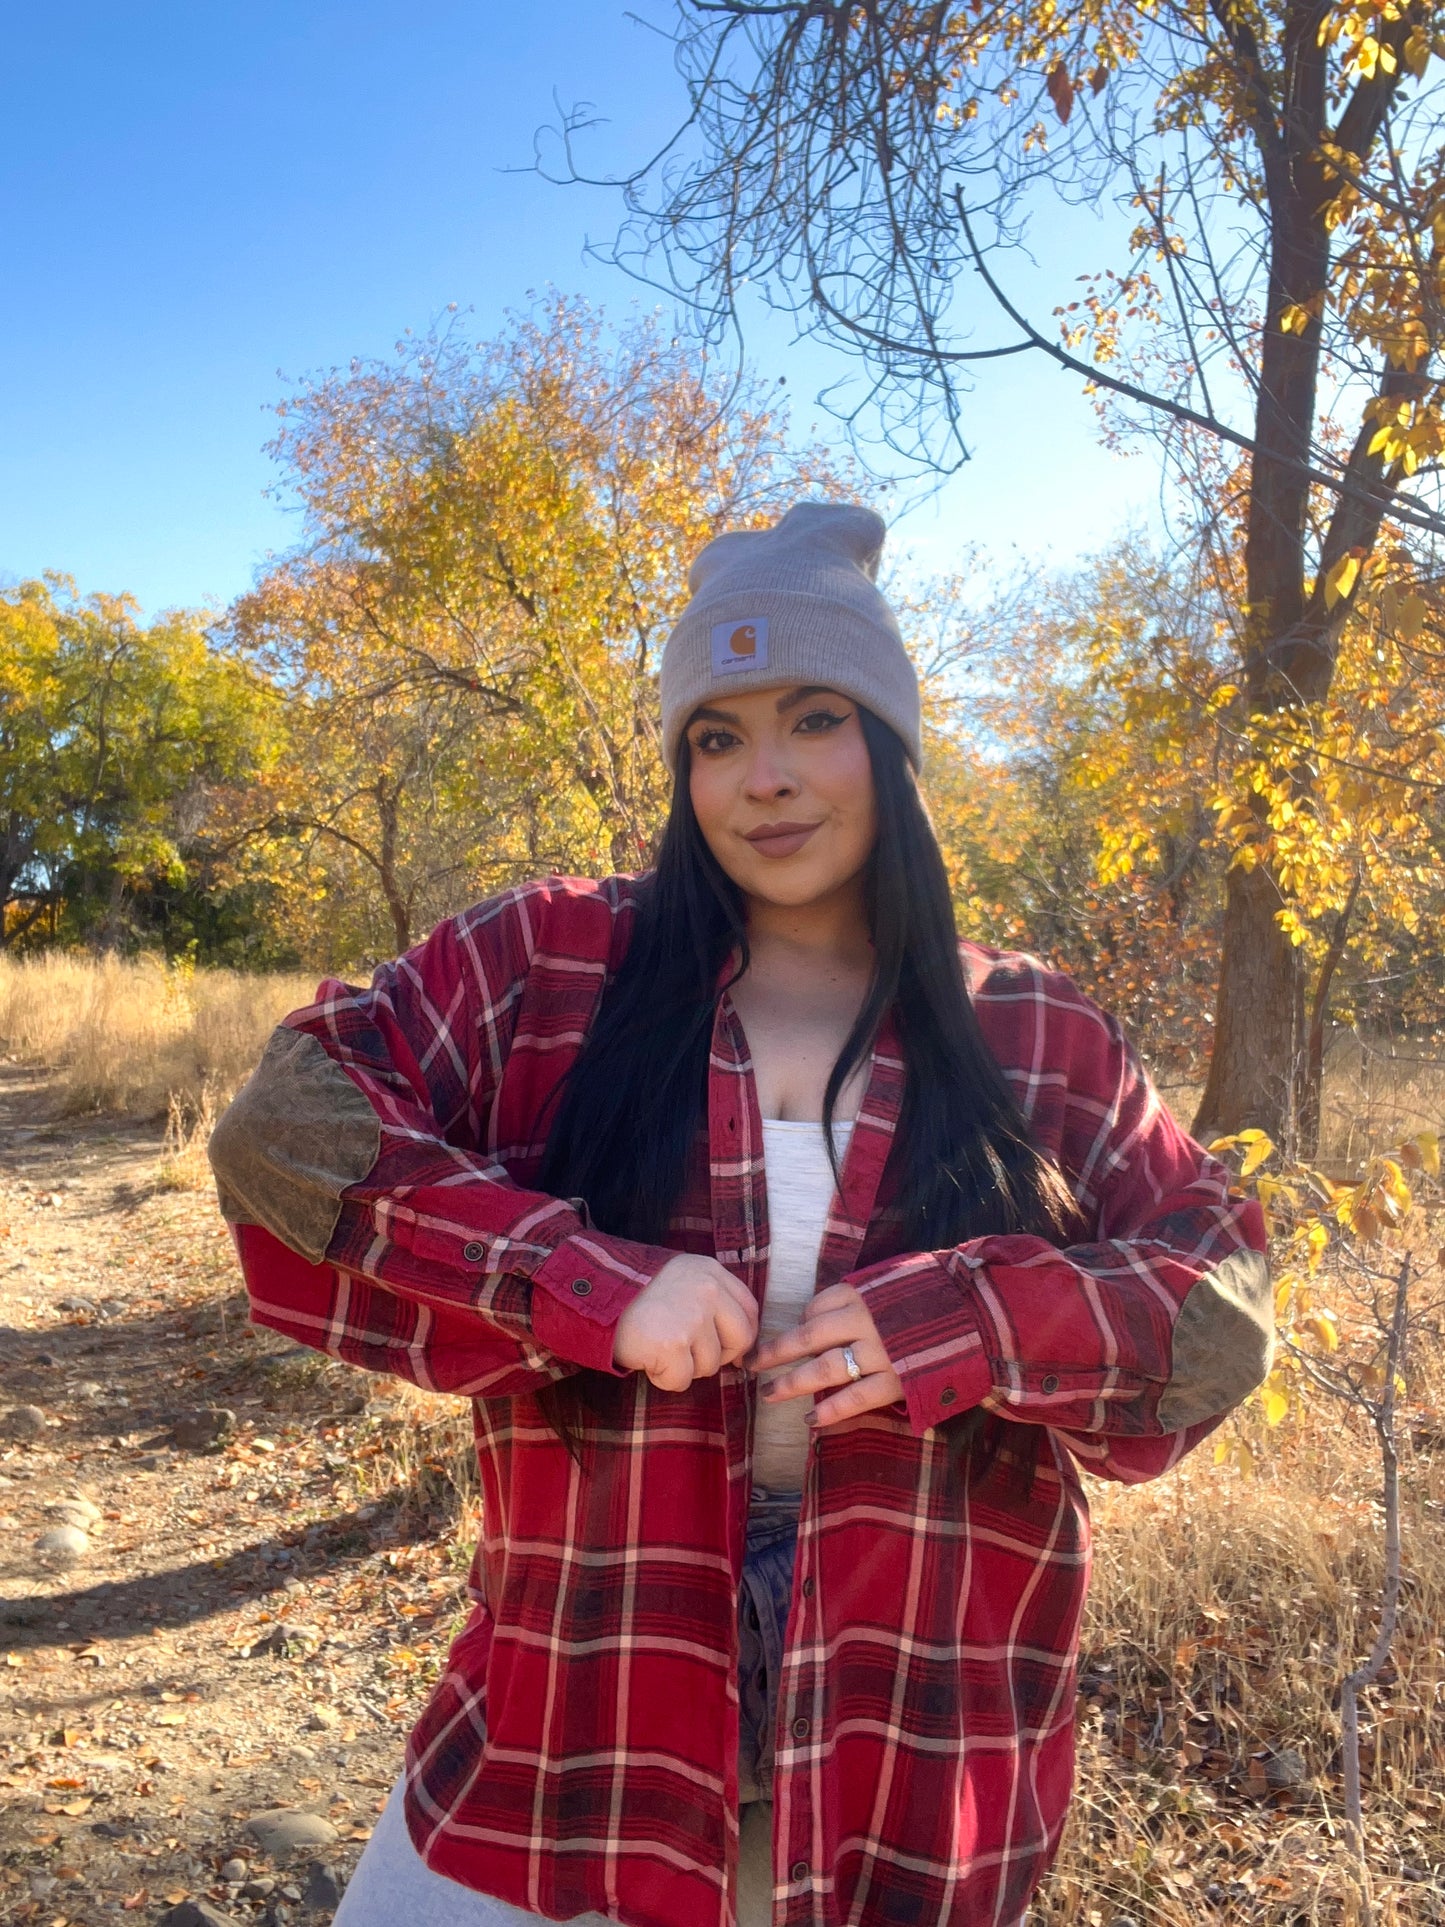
(137, 1036)
(1376, 1092)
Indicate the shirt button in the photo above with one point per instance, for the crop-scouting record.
(801, 1729)
(800, 1870)
(474, 1254)
(582, 1286)
(947, 1395)
(807, 1589)
(1050, 1385)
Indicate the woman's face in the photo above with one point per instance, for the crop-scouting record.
(782, 788)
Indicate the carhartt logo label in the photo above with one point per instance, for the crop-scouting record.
(739, 645)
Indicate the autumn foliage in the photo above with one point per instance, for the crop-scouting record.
(450, 683)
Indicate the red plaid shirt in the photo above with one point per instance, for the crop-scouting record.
(579, 1752)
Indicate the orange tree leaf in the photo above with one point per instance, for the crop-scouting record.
(1061, 91)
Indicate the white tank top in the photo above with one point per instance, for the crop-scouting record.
(800, 1192)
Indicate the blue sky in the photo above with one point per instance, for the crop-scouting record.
(196, 202)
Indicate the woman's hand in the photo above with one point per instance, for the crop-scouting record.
(835, 1318)
(692, 1319)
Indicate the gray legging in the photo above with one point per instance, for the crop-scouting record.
(393, 1884)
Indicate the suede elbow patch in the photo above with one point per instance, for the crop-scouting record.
(297, 1134)
(1223, 1342)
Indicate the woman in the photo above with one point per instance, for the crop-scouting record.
(734, 1655)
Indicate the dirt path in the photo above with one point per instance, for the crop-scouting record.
(240, 1625)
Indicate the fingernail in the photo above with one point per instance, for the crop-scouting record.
(810, 1418)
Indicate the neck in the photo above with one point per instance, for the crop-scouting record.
(834, 929)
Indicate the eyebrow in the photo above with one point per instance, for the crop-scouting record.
(785, 703)
(809, 690)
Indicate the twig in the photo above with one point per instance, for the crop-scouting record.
(1382, 1415)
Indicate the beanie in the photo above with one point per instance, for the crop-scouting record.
(796, 603)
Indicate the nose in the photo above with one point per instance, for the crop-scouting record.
(768, 778)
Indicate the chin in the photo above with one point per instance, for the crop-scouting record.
(790, 892)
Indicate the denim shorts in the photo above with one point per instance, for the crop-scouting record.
(763, 1601)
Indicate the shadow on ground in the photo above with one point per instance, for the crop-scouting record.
(180, 1596)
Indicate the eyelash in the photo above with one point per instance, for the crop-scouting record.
(716, 741)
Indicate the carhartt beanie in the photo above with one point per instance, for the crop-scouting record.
(796, 603)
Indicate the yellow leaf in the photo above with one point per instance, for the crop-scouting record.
(1392, 1196)
(1267, 1189)
(1341, 578)
(1232, 1450)
(1321, 1327)
(1413, 611)
(1428, 1143)
(1274, 1400)
(1282, 1292)
(1260, 1150)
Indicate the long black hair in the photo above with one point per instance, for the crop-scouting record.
(630, 1110)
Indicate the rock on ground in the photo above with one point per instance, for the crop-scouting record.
(81, 1513)
(66, 1545)
(195, 1431)
(280, 1831)
(196, 1913)
(323, 1888)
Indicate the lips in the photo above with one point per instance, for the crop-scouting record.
(780, 839)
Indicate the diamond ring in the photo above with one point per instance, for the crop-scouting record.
(855, 1370)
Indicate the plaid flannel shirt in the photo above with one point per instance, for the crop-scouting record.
(580, 1749)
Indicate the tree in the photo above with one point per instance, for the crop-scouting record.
(496, 538)
(869, 164)
(114, 739)
(1070, 780)
(1088, 782)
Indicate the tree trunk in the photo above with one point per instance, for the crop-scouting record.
(1256, 1066)
(15, 853)
(388, 799)
(1255, 1069)
(109, 934)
